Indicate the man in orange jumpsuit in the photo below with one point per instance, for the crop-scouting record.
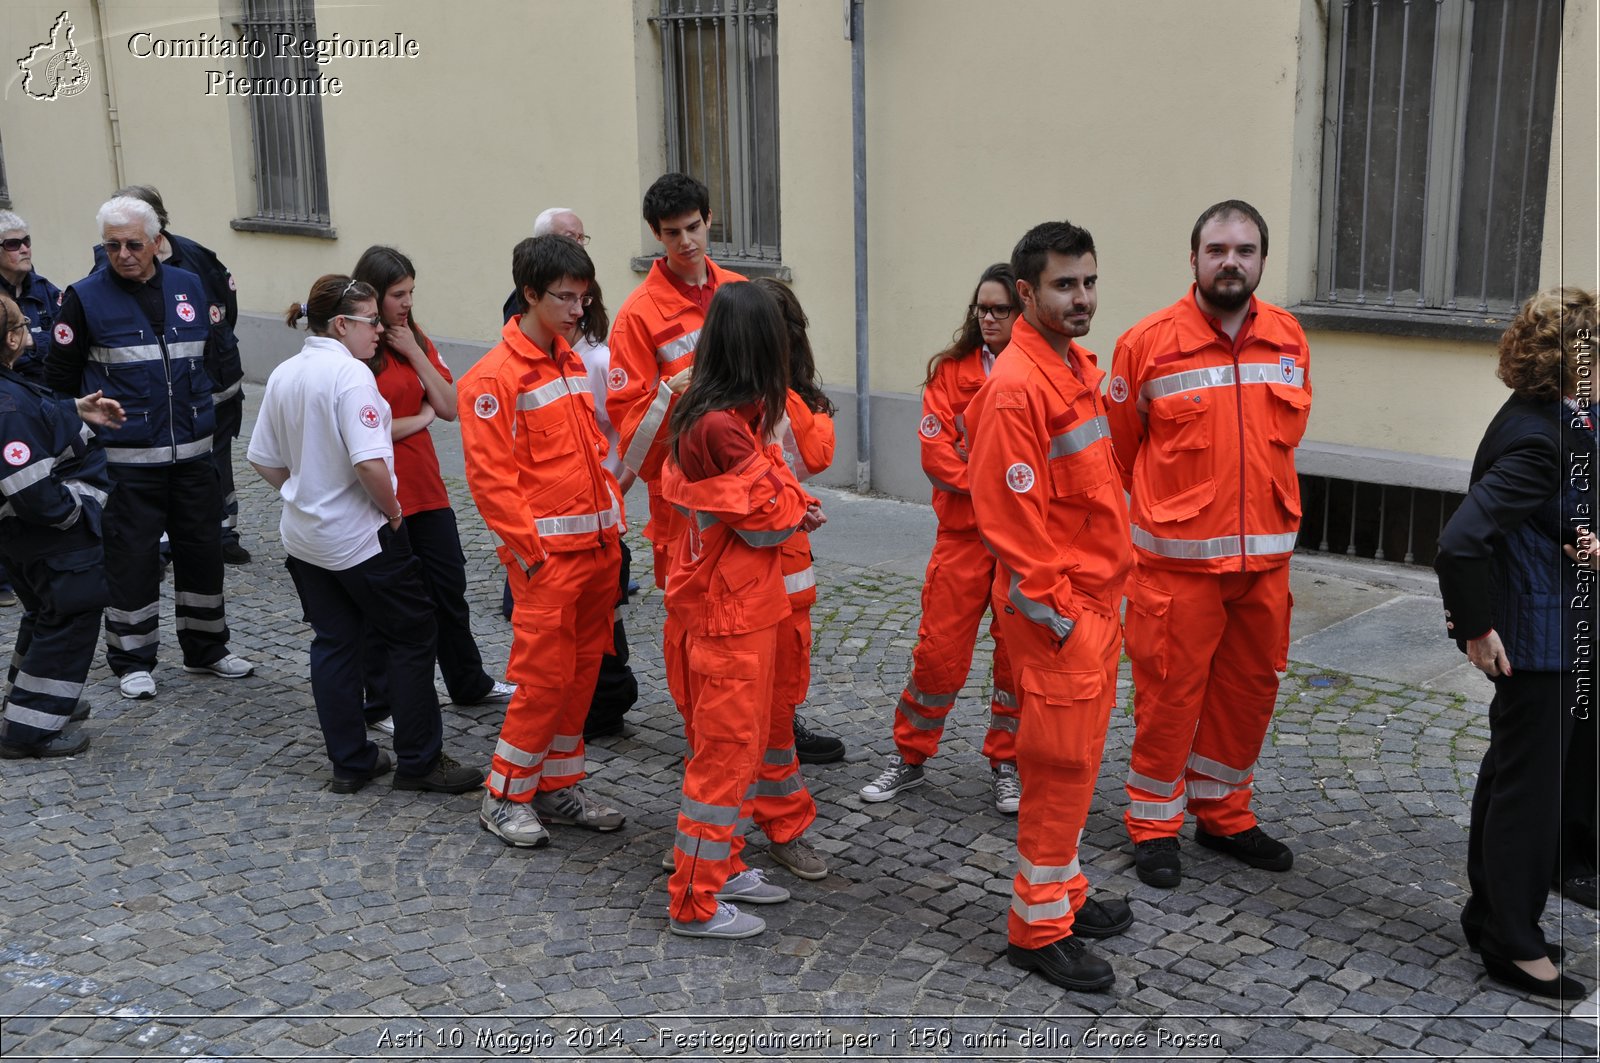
(535, 464)
(1208, 400)
(1049, 504)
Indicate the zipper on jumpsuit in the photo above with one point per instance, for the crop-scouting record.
(166, 369)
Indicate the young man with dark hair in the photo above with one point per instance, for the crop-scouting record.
(1209, 399)
(534, 461)
(1049, 505)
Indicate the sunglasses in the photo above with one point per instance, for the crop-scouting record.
(115, 246)
(374, 321)
(17, 243)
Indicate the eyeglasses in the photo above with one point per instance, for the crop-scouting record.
(375, 321)
(115, 246)
(999, 313)
(17, 243)
(568, 298)
(584, 239)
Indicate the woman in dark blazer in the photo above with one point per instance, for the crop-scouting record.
(1517, 569)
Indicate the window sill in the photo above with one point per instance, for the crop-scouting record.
(284, 228)
(1426, 324)
(776, 270)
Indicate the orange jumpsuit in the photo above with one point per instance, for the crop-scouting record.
(784, 808)
(955, 591)
(727, 592)
(1050, 505)
(1205, 429)
(653, 339)
(534, 463)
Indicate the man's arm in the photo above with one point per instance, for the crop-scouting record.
(69, 347)
(638, 401)
(1122, 410)
(944, 457)
(488, 411)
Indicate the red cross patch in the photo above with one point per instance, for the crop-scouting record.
(1119, 389)
(216, 314)
(232, 287)
(63, 334)
(929, 427)
(486, 406)
(186, 311)
(617, 379)
(17, 453)
(369, 416)
(1020, 477)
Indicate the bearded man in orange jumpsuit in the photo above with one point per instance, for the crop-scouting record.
(1049, 505)
(1209, 399)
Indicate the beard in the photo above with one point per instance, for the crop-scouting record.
(1228, 299)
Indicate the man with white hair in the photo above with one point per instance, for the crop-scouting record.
(138, 331)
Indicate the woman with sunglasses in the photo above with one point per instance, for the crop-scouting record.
(418, 387)
(322, 440)
(37, 297)
(955, 591)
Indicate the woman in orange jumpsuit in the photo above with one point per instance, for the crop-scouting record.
(955, 592)
(726, 589)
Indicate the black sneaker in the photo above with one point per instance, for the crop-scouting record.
(1157, 862)
(1068, 963)
(349, 784)
(63, 743)
(447, 776)
(813, 748)
(1102, 919)
(1251, 846)
(235, 554)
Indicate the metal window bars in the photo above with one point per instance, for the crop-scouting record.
(290, 151)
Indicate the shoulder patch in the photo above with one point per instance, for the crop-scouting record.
(616, 378)
(1119, 389)
(486, 406)
(929, 427)
(17, 453)
(370, 416)
(216, 314)
(1010, 400)
(186, 311)
(63, 333)
(1020, 477)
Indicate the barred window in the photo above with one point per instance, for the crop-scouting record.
(5, 191)
(1436, 152)
(720, 65)
(291, 161)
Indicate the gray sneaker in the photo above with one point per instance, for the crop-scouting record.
(574, 807)
(1007, 789)
(728, 922)
(513, 822)
(896, 777)
(799, 857)
(751, 886)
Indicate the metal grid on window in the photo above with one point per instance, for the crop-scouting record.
(5, 191)
(1437, 151)
(290, 155)
(720, 65)
(1385, 522)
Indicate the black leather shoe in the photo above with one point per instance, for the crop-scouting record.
(349, 784)
(1580, 889)
(60, 744)
(1102, 919)
(1068, 963)
(234, 554)
(1157, 862)
(812, 748)
(1561, 987)
(1252, 846)
(447, 776)
(80, 712)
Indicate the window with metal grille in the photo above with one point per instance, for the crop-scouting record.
(1437, 149)
(1386, 522)
(291, 159)
(720, 65)
(5, 191)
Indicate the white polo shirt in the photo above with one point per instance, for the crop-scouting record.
(321, 414)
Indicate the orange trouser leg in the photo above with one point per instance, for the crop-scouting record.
(1066, 697)
(784, 808)
(561, 624)
(955, 592)
(1005, 711)
(731, 681)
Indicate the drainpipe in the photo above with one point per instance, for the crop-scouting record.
(114, 121)
(858, 152)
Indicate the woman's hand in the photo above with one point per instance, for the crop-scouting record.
(1488, 655)
(813, 519)
(402, 341)
(1587, 552)
(100, 411)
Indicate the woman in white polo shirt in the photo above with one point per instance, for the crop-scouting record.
(322, 439)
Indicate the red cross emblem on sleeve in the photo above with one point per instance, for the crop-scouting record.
(17, 453)
(369, 416)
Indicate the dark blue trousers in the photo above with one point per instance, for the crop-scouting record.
(61, 598)
(230, 415)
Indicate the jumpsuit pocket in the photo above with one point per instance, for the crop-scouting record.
(549, 430)
(1185, 504)
(1181, 422)
(1288, 496)
(727, 695)
(1291, 409)
(77, 582)
(1064, 716)
(1077, 473)
(1146, 628)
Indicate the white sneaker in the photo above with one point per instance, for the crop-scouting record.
(498, 694)
(229, 667)
(1007, 789)
(513, 822)
(728, 922)
(751, 887)
(386, 725)
(140, 685)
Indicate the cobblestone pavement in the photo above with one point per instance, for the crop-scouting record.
(190, 889)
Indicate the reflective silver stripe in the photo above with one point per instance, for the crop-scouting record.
(701, 520)
(71, 518)
(793, 784)
(562, 766)
(559, 388)
(961, 424)
(1080, 437)
(84, 491)
(187, 349)
(198, 601)
(190, 623)
(495, 781)
(85, 433)
(1157, 809)
(998, 722)
(778, 755)
(649, 427)
(1222, 546)
(58, 688)
(710, 815)
(1211, 790)
(1045, 874)
(916, 719)
(941, 485)
(803, 580)
(784, 435)
(132, 642)
(932, 701)
(23, 478)
(44, 721)
(764, 538)
(675, 349)
(158, 455)
(1153, 786)
(520, 757)
(565, 743)
(148, 352)
(1038, 612)
(219, 397)
(515, 556)
(703, 848)
(511, 787)
(1218, 770)
(1039, 913)
(1005, 698)
(1217, 376)
(577, 523)
(133, 616)
(198, 449)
